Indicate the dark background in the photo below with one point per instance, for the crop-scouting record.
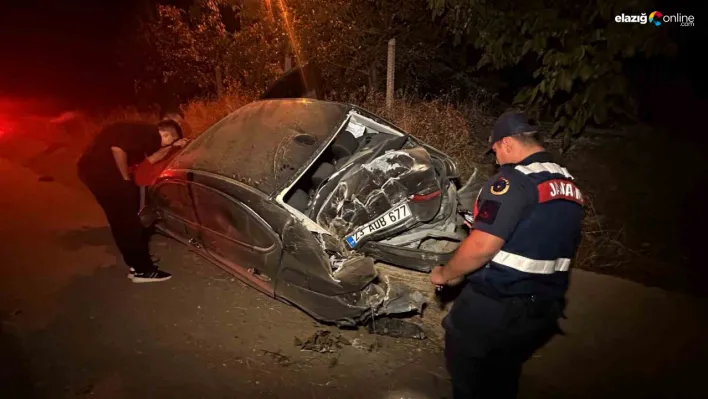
(68, 50)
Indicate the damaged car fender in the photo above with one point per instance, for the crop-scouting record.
(345, 290)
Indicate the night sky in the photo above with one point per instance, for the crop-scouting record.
(65, 48)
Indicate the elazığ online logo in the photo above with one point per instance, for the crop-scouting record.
(656, 18)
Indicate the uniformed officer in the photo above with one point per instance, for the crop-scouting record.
(526, 229)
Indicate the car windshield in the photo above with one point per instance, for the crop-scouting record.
(264, 143)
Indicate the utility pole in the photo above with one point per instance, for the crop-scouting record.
(390, 73)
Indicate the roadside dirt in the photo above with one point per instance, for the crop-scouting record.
(78, 326)
(435, 309)
(648, 194)
(73, 326)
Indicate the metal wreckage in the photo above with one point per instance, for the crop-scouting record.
(302, 199)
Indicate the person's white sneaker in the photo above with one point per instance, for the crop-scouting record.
(151, 276)
(131, 273)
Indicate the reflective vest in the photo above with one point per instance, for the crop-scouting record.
(535, 259)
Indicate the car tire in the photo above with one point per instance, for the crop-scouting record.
(323, 172)
(299, 200)
(345, 145)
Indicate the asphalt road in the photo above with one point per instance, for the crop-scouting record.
(74, 326)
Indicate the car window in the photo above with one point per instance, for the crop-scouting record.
(224, 215)
(174, 197)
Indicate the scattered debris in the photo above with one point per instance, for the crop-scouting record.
(356, 343)
(278, 357)
(374, 346)
(322, 341)
(396, 328)
(334, 361)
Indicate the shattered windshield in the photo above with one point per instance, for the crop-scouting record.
(264, 143)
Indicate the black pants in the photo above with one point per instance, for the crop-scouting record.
(487, 341)
(120, 200)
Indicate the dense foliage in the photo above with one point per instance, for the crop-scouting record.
(575, 51)
(249, 40)
(572, 54)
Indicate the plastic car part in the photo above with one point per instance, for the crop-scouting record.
(323, 172)
(396, 328)
(366, 192)
(467, 195)
(377, 144)
(299, 200)
(345, 145)
(340, 162)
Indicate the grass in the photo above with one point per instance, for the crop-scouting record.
(439, 123)
(201, 114)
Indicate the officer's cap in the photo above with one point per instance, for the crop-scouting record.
(510, 124)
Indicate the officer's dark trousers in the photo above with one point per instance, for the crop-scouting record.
(488, 339)
(120, 201)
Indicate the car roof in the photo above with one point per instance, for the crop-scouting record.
(264, 143)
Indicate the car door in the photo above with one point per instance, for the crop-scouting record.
(177, 215)
(303, 81)
(236, 237)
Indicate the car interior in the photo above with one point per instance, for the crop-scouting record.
(354, 136)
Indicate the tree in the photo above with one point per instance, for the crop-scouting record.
(347, 38)
(577, 51)
(187, 46)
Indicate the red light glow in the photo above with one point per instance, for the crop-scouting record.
(5, 126)
(425, 197)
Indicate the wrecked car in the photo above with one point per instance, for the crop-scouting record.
(299, 198)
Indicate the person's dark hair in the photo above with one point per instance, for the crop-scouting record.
(532, 138)
(171, 126)
(171, 111)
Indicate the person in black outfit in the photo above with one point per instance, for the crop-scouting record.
(104, 168)
(516, 264)
(172, 113)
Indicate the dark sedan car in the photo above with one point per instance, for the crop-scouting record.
(299, 198)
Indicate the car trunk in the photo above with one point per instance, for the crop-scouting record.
(381, 191)
(145, 173)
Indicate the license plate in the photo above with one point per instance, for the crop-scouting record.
(392, 217)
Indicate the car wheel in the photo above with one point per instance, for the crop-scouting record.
(323, 172)
(299, 200)
(345, 145)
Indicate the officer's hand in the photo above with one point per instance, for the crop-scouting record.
(437, 277)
